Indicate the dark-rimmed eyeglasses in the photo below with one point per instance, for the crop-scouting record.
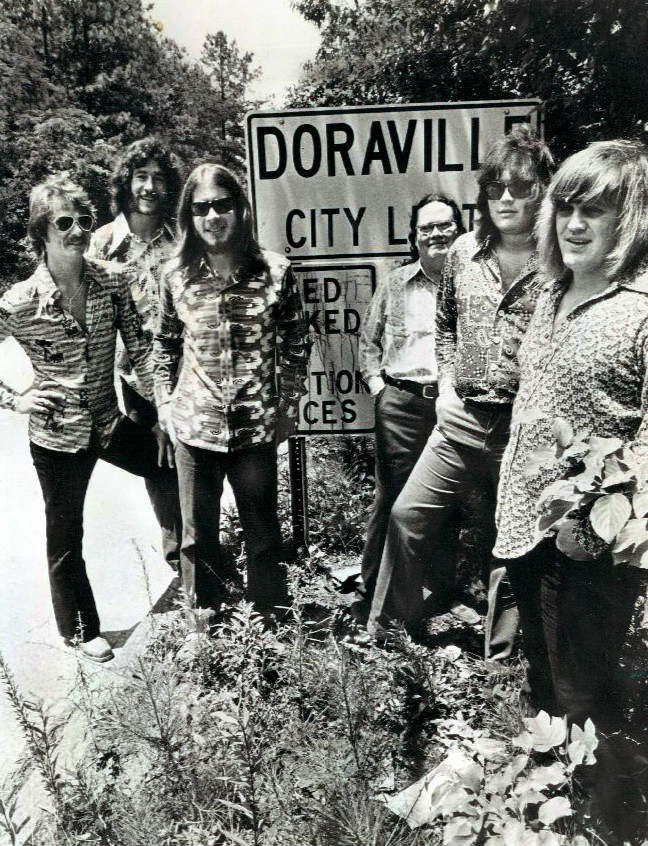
(444, 228)
(66, 221)
(519, 189)
(221, 206)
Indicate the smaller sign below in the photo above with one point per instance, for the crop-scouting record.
(335, 298)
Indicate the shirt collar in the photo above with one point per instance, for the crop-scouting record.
(122, 231)
(46, 287)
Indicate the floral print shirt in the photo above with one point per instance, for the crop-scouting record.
(231, 334)
(479, 324)
(80, 362)
(398, 332)
(592, 371)
(116, 242)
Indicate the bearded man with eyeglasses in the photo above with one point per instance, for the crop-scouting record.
(67, 317)
(230, 357)
(487, 295)
(398, 363)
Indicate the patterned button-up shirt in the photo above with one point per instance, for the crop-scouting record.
(592, 371)
(232, 334)
(116, 242)
(480, 324)
(398, 334)
(81, 363)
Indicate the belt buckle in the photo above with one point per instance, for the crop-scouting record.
(429, 392)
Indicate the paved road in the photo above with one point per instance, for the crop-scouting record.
(122, 549)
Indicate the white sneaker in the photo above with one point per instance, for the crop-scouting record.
(465, 614)
(98, 649)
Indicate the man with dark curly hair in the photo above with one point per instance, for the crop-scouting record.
(145, 183)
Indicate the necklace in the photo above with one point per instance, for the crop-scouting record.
(75, 295)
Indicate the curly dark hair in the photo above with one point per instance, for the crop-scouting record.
(424, 201)
(522, 152)
(136, 155)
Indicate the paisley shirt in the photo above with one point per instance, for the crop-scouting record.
(479, 325)
(398, 331)
(116, 242)
(592, 371)
(231, 334)
(81, 363)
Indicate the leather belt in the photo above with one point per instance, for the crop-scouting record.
(425, 391)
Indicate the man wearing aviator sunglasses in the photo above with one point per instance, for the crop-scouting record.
(66, 317)
(230, 360)
(488, 292)
(144, 188)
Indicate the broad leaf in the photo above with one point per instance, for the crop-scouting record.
(554, 809)
(602, 447)
(590, 479)
(540, 459)
(619, 477)
(583, 743)
(634, 533)
(568, 545)
(554, 514)
(609, 515)
(563, 432)
(560, 489)
(489, 748)
(541, 778)
(462, 831)
(546, 731)
(640, 503)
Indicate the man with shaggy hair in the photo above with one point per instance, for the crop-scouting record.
(144, 186)
(66, 317)
(490, 285)
(230, 357)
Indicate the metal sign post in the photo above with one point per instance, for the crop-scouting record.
(298, 490)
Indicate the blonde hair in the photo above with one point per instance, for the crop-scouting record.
(614, 173)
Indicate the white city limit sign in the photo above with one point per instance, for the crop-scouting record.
(340, 183)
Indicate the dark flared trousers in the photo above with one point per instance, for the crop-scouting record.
(404, 422)
(252, 473)
(64, 479)
(464, 453)
(164, 495)
(575, 616)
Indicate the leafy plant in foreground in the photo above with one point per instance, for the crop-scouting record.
(601, 502)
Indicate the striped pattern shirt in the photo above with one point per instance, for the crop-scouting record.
(81, 363)
(234, 333)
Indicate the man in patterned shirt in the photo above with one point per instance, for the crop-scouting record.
(398, 363)
(230, 361)
(66, 317)
(144, 186)
(488, 292)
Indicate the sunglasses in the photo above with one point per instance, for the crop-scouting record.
(222, 206)
(67, 221)
(428, 228)
(519, 189)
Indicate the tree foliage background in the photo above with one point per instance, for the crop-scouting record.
(586, 59)
(81, 78)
